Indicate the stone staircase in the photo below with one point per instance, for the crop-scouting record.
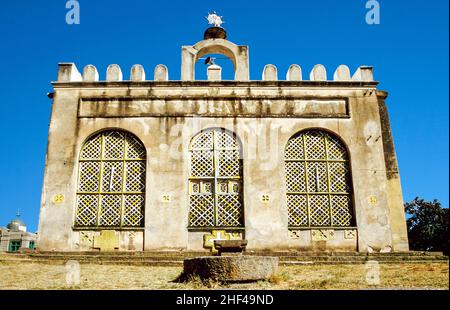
(175, 258)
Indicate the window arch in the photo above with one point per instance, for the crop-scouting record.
(111, 181)
(319, 189)
(215, 180)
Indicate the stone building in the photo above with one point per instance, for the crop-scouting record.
(160, 164)
(14, 237)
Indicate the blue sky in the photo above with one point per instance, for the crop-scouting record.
(409, 51)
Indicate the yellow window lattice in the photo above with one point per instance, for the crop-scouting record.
(215, 180)
(111, 181)
(318, 181)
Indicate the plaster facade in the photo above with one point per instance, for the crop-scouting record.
(165, 115)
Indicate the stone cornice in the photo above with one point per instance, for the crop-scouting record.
(262, 84)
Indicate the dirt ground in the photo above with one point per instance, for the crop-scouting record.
(391, 276)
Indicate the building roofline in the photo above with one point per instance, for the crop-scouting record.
(103, 84)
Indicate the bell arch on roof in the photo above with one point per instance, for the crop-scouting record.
(238, 54)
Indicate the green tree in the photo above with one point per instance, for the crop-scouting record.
(427, 225)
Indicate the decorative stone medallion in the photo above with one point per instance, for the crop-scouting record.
(265, 198)
(294, 234)
(322, 234)
(372, 200)
(58, 199)
(350, 234)
(166, 198)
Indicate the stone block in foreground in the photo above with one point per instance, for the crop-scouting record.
(231, 268)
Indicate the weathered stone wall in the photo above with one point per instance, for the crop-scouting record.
(166, 115)
(394, 191)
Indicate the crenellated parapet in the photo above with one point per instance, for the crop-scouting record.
(238, 55)
(68, 72)
(341, 74)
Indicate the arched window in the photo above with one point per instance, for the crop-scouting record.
(319, 190)
(111, 181)
(215, 180)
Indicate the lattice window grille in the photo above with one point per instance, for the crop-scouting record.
(215, 181)
(318, 181)
(111, 181)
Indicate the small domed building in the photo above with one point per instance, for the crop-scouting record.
(15, 236)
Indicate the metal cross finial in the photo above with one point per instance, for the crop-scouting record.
(214, 19)
(18, 212)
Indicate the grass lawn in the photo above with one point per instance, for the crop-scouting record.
(27, 275)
